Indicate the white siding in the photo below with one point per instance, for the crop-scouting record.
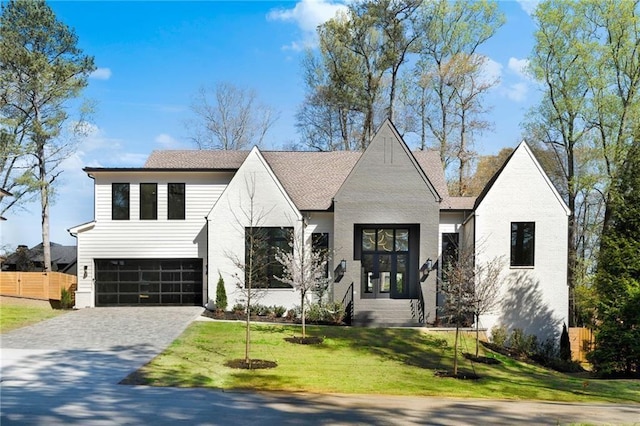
(135, 238)
(272, 207)
(534, 299)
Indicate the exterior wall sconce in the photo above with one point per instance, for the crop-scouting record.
(426, 269)
(340, 270)
(84, 275)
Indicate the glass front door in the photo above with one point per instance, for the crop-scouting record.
(385, 262)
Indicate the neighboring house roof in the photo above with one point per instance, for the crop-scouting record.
(60, 255)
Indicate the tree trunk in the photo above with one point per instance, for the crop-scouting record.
(304, 314)
(455, 351)
(477, 335)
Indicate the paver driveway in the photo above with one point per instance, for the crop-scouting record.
(102, 344)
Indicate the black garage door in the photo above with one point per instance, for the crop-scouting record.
(148, 282)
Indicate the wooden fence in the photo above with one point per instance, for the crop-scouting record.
(581, 340)
(37, 285)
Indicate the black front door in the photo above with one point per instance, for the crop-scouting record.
(385, 262)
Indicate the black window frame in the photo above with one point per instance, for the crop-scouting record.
(175, 203)
(408, 256)
(320, 244)
(148, 202)
(120, 212)
(523, 237)
(267, 241)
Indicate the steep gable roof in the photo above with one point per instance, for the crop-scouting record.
(379, 140)
(523, 146)
(310, 178)
(255, 162)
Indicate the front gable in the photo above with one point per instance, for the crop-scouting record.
(253, 198)
(523, 173)
(534, 292)
(255, 183)
(387, 167)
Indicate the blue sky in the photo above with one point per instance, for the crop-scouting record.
(153, 56)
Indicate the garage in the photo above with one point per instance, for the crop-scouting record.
(128, 282)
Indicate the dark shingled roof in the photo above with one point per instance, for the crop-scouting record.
(310, 178)
(61, 255)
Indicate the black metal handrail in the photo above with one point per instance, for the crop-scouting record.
(347, 302)
(417, 306)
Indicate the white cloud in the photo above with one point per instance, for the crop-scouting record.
(492, 70)
(519, 66)
(307, 15)
(169, 142)
(517, 92)
(529, 6)
(101, 74)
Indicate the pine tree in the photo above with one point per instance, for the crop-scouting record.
(617, 337)
(221, 295)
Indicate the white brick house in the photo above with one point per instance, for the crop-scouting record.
(163, 233)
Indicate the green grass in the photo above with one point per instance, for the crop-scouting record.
(361, 360)
(14, 316)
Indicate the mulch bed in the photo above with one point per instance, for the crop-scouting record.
(253, 364)
(462, 375)
(481, 359)
(309, 340)
(241, 316)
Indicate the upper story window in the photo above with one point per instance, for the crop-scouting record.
(176, 203)
(261, 246)
(522, 243)
(120, 201)
(148, 201)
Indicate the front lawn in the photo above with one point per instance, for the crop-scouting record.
(360, 360)
(16, 313)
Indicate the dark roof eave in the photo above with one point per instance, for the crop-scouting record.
(155, 169)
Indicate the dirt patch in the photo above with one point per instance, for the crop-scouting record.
(253, 364)
(22, 301)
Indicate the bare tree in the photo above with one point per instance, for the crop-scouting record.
(251, 282)
(486, 296)
(303, 268)
(458, 279)
(470, 289)
(229, 117)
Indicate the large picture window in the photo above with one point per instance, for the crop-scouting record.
(261, 246)
(148, 201)
(522, 243)
(176, 203)
(120, 201)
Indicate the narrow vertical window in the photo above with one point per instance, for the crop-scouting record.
(176, 205)
(120, 201)
(320, 244)
(522, 243)
(148, 201)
